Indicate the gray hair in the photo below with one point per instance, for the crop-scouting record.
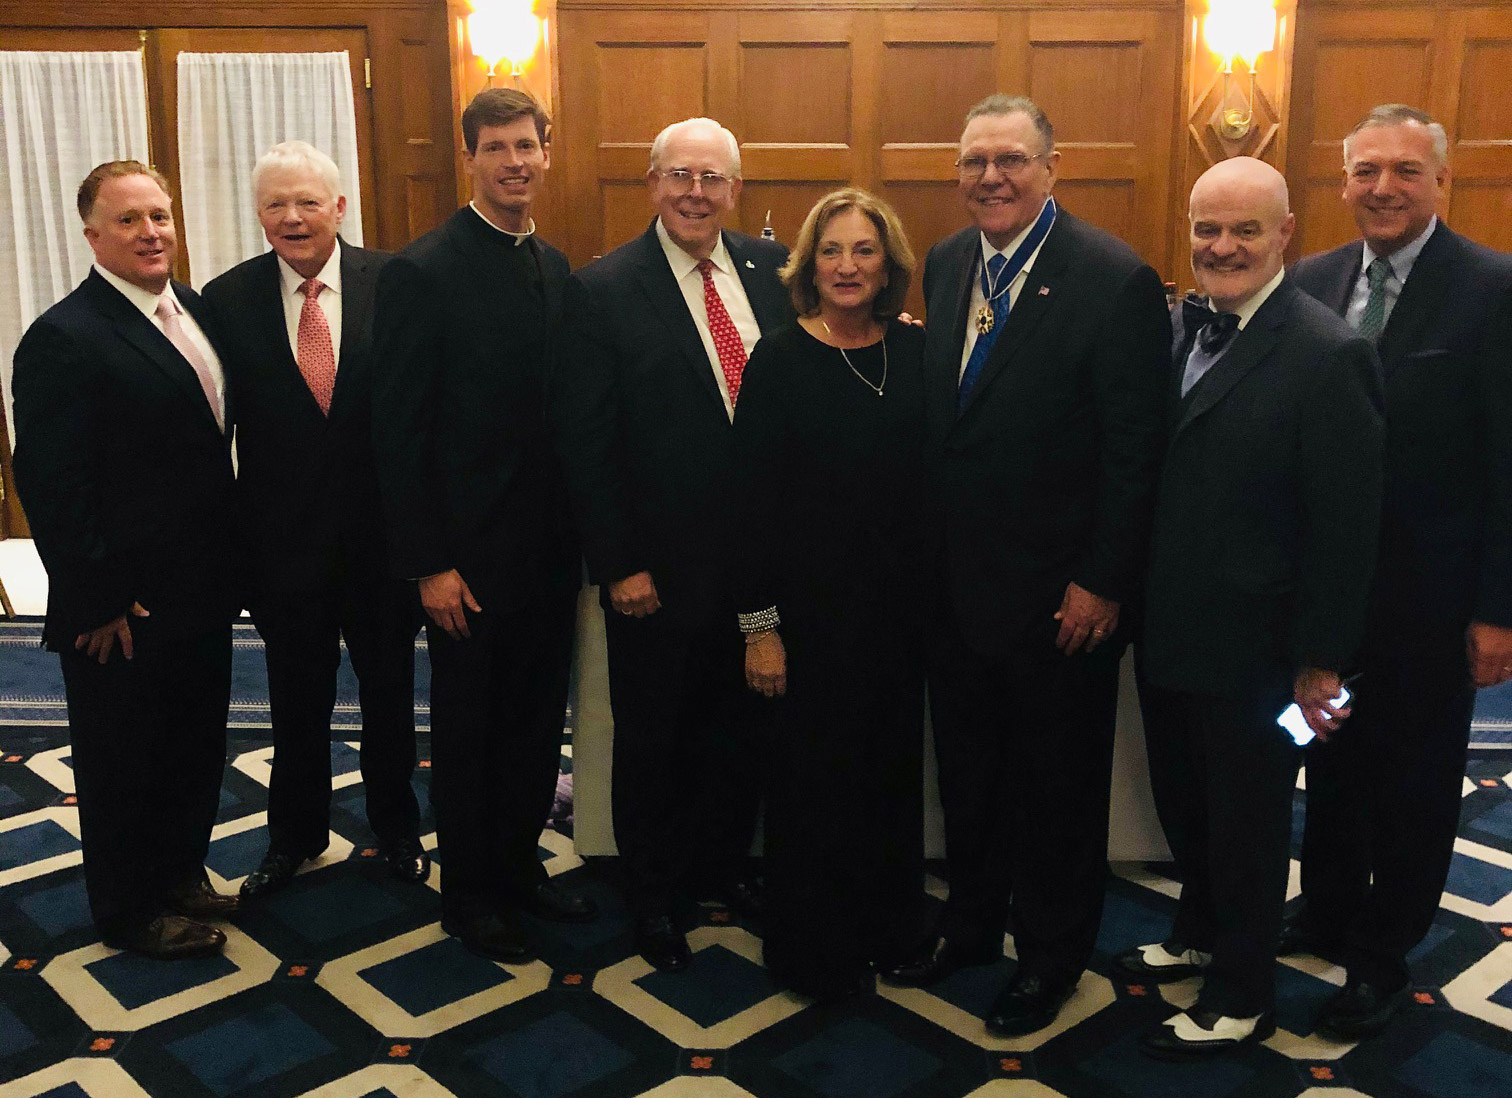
(299, 154)
(1000, 104)
(1397, 114)
(659, 146)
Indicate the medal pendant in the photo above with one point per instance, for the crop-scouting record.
(984, 320)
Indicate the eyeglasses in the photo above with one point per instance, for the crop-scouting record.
(1007, 164)
(680, 181)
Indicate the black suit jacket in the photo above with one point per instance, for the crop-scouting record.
(1446, 353)
(1268, 507)
(306, 486)
(642, 426)
(465, 466)
(125, 475)
(1048, 476)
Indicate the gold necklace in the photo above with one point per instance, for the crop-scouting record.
(864, 379)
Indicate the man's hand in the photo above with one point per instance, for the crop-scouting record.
(1085, 620)
(766, 665)
(447, 599)
(635, 595)
(99, 643)
(910, 319)
(1314, 691)
(1490, 650)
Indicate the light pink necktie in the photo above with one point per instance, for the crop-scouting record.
(732, 354)
(316, 355)
(167, 312)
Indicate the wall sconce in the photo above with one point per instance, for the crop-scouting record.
(1239, 28)
(504, 30)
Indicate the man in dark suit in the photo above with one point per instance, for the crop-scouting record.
(475, 513)
(1265, 529)
(1045, 358)
(123, 459)
(657, 334)
(295, 326)
(1383, 798)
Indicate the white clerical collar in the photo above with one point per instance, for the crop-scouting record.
(681, 262)
(519, 238)
(145, 300)
(329, 276)
(1404, 257)
(1007, 250)
(1252, 305)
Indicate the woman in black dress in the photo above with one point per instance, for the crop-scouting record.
(828, 435)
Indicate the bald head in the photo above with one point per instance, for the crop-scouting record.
(1241, 224)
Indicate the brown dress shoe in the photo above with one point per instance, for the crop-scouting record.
(170, 938)
(195, 899)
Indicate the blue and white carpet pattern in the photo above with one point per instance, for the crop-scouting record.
(343, 985)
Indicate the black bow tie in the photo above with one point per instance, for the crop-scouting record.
(1211, 330)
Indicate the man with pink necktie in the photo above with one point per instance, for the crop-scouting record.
(296, 326)
(656, 336)
(123, 462)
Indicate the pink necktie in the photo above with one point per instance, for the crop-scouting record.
(316, 355)
(173, 328)
(732, 355)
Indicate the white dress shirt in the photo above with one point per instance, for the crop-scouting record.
(147, 302)
(1401, 262)
(978, 298)
(329, 300)
(731, 292)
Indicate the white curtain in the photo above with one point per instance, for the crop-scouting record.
(61, 114)
(232, 107)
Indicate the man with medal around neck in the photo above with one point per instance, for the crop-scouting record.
(1044, 372)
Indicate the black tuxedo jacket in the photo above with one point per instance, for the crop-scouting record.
(306, 487)
(1268, 507)
(465, 466)
(124, 473)
(1048, 475)
(1446, 353)
(641, 423)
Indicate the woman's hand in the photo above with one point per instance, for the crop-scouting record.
(766, 664)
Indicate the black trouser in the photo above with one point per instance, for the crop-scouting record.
(302, 636)
(498, 706)
(1024, 742)
(1383, 802)
(149, 746)
(686, 756)
(1223, 773)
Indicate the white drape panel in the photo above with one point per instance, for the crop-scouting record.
(61, 114)
(233, 107)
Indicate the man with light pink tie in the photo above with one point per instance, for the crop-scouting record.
(123, 463)
(296, 326)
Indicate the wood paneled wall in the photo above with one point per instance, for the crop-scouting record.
(1453, 60)
(874, 97)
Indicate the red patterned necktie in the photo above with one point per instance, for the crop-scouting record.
(732, 355)
(316, 355)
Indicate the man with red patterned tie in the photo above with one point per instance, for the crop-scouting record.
(123, 460)
(657, 333)
(296, 324)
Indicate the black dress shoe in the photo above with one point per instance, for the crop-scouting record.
(1026, 1005)
(276, 871)
(1212, 1035)
(937, 959)
(407, 861)
(495, 937)
(1181, 963)
(1360, 1010)
(555, 904)
(170, 938)
(195, 899)
(1297, 937)
(662, 944)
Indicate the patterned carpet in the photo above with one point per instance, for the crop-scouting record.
(344, 987)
